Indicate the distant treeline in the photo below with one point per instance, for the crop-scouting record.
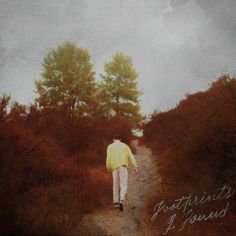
(195, 147)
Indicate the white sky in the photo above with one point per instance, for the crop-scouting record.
(177, 46)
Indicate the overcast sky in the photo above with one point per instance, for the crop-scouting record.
(177, 46)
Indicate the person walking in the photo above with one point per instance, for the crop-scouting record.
(117, 162)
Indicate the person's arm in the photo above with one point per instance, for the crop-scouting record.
(108, 165)
(131, 158)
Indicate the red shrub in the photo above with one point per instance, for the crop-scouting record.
(195, 146)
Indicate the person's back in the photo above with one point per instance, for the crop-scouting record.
(118, 157)
(119, 154)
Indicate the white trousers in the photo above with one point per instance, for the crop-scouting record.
(120, 181)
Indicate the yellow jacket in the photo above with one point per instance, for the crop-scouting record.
(119, 154)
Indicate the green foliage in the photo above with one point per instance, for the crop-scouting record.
(118, 91)
(67, 79)
(68, 83)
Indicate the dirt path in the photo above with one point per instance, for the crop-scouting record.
(134, 220)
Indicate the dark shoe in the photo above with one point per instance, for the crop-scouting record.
(116, 205)
(121, 207)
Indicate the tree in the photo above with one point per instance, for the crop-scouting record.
(67, 79)
(118, 89)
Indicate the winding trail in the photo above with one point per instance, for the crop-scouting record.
(135, 219)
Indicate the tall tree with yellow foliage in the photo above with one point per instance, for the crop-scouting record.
(68, 79)
(118, 89)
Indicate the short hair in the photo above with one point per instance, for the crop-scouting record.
(116, 136)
